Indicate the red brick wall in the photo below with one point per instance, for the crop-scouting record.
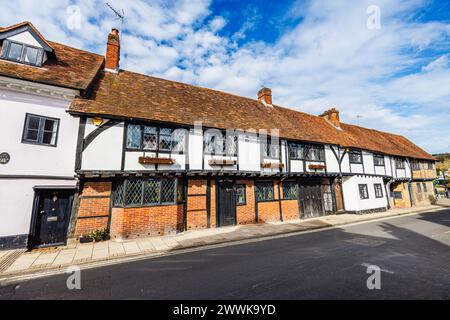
(197, 216)
(270, 211)
(146, 221)
(246, 214)
(290, 210)
(94, 207)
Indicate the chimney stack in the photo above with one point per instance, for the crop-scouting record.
(265, 96)
(113, 51)
(332, 116)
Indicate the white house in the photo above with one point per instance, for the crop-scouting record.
(38, 81)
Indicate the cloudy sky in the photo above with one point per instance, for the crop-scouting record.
(383, 64)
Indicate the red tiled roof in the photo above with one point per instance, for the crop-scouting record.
(132, 95)
(66, 67)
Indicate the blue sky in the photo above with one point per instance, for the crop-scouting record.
(314, 54)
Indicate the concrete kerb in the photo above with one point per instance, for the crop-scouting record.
(14, 277)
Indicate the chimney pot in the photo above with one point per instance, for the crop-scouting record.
(113, 51)
(265, 96)
(332, 115)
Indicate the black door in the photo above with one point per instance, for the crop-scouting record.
(310, 199)
(226, 204)
(52, 214)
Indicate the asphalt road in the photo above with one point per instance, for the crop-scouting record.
(412, 253)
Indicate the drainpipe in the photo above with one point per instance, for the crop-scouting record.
(387, 188)
(411, 196)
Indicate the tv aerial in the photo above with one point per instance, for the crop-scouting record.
(120, 14)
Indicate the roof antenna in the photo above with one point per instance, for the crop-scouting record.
(120, 15)
(358, 117)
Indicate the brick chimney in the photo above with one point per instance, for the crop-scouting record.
(332, 116)
(113, 51)
(265, 96)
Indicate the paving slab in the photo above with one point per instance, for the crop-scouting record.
(131, 247)
(45, 259)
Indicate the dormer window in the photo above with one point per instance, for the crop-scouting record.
(22, 53)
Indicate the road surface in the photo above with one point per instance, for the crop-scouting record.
(412, 254)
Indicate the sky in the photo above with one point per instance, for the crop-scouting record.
(384, 64)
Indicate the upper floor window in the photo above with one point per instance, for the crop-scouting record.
(314, 152)
(22, 53)
(219, 144)
(399, 163)
(415, 165)
(148, 138)
(271, 150)
(40, 130)
(295, 151)
(355, 156)
(378, 160)
(430, 165)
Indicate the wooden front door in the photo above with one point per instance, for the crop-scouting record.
(52, 214)
(310, 199)
(226, 204)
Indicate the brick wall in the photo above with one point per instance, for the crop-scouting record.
(269, 211)
(197, 215)
(93, 211)
(146, 221)
(246, 214)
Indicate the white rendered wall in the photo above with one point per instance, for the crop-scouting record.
(332, 162)
(249, 152)
(29, 159)
(26, 38)
(16, 203)
(105, 151)
(351, 193)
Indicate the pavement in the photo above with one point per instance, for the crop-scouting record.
(21, 264)
(410, 252)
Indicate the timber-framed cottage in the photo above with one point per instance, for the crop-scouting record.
(153, 156)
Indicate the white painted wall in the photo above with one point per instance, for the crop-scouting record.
(29, 159)
(16, 203)
(26, 38)
(105, 151)
(368, 162)
(332, 162)
(345, 165)
(249, 152)
(195, 149)
(351, 193)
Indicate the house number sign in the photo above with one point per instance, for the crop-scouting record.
(4, 158)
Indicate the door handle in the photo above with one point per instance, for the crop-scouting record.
(42, 212)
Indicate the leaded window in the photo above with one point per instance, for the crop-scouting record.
(363, 191)
(22, 53)
(40, 130)
(217, 143)
(424, 185)
(295, 151)
(145, 192)
(355, 157)
(399, 163)
(378, 190)
(290, 190)
(378, 160)
(415, 165)
(151, 138)
(264, 191)
(240, 194)
(314, 153)
(430, 165)
(271, 150)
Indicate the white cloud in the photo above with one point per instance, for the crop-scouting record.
(329, 59)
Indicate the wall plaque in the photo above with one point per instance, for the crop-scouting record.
(4, 158)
